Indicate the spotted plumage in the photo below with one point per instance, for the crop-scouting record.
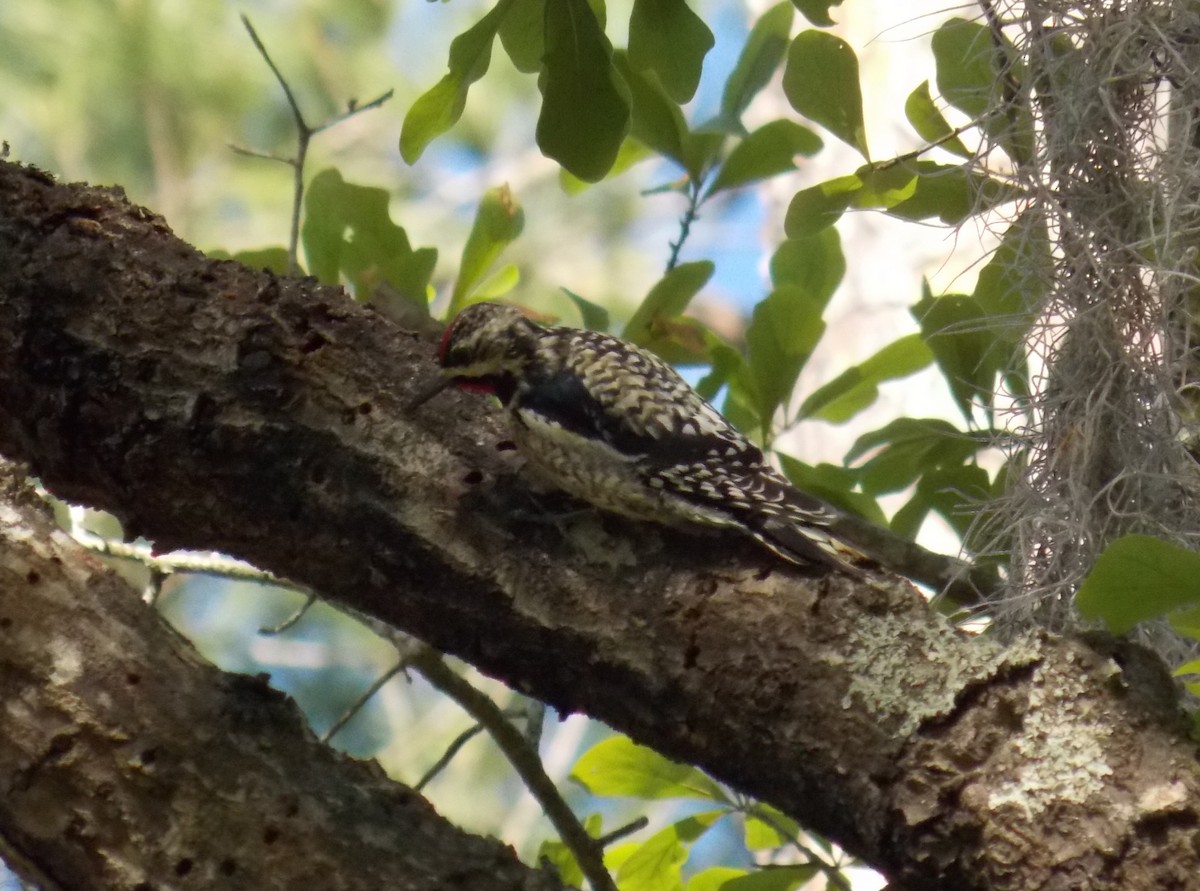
(616, 426)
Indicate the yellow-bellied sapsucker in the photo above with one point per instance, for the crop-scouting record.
(616, 426)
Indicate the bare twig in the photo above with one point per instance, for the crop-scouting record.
(833, 875)
(453, 749)
(588, 852)
(447, 756)
(362, 700)
(203, 562)
(291, 620)
(622, 831)
(535, 715)
(304, 135)
(961, 583)
(690, 215)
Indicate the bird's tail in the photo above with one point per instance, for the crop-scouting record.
(808, 543)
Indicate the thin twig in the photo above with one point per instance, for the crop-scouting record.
(940, 141)
(690, 215)
(453, 749)
(362, 700)
(205, 563)
(350, 112)
(262, 156)
(535, 715)
(622, 831)
(961, 583)
(524, 760)
(290, 621)
(833, 874)
(304, 135)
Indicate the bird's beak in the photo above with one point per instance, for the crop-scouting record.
(430, 390)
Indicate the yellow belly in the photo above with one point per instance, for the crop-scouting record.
(600, 475)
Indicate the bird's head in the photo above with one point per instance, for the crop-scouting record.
(485, 348)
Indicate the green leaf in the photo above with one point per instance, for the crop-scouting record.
(768, 151)
(499, 219)
(630, 153)
(954, 493)
(764, 835)
(1186, 622)
(774, 878)
(965, 57)
(656, 864)
(347, 231)
(783, 332)
(585, 102)
(950, 192)
(498, 283)
(666, 37)
(726, 365)
(908, 448)
(885, 185)
(1139, 577)
(966, 348)
(273, 258)
(858, 386)
(817, 11)
(563, 859)
(740, 407)
(701, 148)
(668, 298)
(819, 207)
(593, 316)
(437, 110)
(713, 878)
(973, 74)
(931, 124)
(834, 485)
(617, 766)
(521, 32)
(656, 119)
(821, 82)
(815, 264)
(1014, 280)
(765, 48)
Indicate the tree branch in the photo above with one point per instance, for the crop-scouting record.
(525, 761)
(211, 406)
(118, 732)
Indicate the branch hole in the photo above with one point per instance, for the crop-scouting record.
(313, 342)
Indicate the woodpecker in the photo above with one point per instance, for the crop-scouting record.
(619, 428)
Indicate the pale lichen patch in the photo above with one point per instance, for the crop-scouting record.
(1059, 748)
(67, 661)
(917, 671)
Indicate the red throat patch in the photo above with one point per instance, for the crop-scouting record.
(444, 345)
(475, 386)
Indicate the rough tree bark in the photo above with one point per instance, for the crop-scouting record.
(130, 763)
(212, 406)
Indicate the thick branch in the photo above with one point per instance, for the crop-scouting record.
(129, 762)
(212, 406)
